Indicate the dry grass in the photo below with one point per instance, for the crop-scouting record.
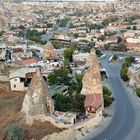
(10, 106)
(40, 129)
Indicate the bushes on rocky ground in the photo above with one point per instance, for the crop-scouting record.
(137, 90)
(124, 70)
(107, 95)
(15, 131)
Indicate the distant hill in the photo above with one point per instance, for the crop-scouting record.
(49, 0)
(129, 0)
(67, 0)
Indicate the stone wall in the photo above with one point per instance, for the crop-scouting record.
(4, 78)
(78, 130)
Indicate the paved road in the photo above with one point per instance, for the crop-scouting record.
(125, 123)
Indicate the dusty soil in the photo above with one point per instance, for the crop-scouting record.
(10, 106)
(40, 129)
(9, 111)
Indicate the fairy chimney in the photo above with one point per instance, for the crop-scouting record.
(37, 100)
(92, 82)
(49, 50)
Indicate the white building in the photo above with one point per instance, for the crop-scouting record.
(133, 40)
(2, 52)
(80, 57)
(19, 55)
(131, 33)
(20, 79)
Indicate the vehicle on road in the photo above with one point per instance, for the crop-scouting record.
(110, 58)
(103, 56)
(120, 59)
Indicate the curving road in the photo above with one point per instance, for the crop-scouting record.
(125, 123)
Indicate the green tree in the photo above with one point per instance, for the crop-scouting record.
(122, 47)
(76, 86)
(1, 33)
(106, 91)
(69, 103)
(98, 52)
(107, 95)
(134, 28)
(32, 35)
(107, 100)
(115, 57)
(102, 38)
(124, 70)
(57, 45)
(62, 22)
(76, 35)
(59, 76)
(15, 132)
(128, 28)
(62, 103)
(74, 101)
(129, 60)
(68, 52)
(119, 39)
(78, 102)
(137, 91)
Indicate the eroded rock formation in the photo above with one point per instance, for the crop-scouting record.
(37, 100)
(92, 83)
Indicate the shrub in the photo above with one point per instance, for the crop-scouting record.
(15, 132)
(2, 32)
(138, 92)
(115, 57)
(108, 100)
(107, 95)
(106, 91)
(124, 70)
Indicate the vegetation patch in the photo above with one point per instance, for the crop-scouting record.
(137, 90)
(73, 101)
(124, 70)
(107, 95)
(15, 131)
(1, 33)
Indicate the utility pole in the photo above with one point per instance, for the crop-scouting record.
(25, 40)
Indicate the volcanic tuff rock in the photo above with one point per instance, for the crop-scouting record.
(37, 100)
(92, 83)
(49, 50)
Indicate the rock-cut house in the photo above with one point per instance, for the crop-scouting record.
(37, 100)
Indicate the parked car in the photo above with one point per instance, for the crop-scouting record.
(103, 56)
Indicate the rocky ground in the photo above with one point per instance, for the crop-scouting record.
(134, 75)
(10, 106)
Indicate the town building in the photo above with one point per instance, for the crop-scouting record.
(26, 62)
(2, 52)
(80, 57)
(134, 47)
(93, 105)
(20, 79)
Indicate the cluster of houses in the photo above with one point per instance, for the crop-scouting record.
(26, 59)
(23, 60)
(31, 64)
(38, 100)
(132, 38)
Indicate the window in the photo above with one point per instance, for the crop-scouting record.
(22, 79)
(15, 79)
(14, 86)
